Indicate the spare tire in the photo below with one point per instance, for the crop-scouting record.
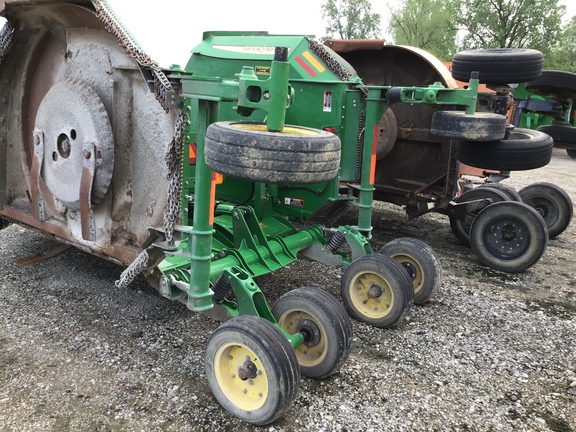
(554, 84)
(525, 149)
(498, 65)
(564, 136)
(248, 151)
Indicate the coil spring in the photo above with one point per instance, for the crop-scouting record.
(221, 288)
(335, 242)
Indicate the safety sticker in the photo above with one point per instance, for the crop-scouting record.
(262, 70)
(294, 202)
(327, 107)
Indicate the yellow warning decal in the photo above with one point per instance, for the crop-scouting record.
(317, 65)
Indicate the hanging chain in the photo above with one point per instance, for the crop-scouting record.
(132, 270)
(174, 162)
(133, 50)
(173, 156)
(5, 39)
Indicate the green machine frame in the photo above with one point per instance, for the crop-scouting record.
(226, 243)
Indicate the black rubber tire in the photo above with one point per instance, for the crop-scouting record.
(498, 65)
(461, 228)
(553, 84)
(510, 192)
(248, 151)
(524, 149)
(509, 236)
(482, 126)
(272, 352)
(421, 263)
(317, 314)
(571, 153)
(552, 203)
(360, 276)
(564, 136)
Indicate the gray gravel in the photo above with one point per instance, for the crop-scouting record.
(491, 352)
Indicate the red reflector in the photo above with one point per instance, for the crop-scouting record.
(330, 129)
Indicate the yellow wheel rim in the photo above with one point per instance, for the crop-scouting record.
(371, 295)
(308, 354)
(261, 127)
(416, 272)
(231, 363)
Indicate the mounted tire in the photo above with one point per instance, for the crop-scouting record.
(571, 153)
(509, 236)
(247, 151)
(524, 149)
(252, 369)
(481, 126)
(377, 290)
(421, 263)
(552, 203)
(326, 327)
(498, 65)
(564, 136)
(553, 84)
(461, 226)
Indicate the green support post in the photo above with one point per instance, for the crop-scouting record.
(375, 106)
(200, 242)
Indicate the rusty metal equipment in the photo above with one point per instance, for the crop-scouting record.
(428, 172)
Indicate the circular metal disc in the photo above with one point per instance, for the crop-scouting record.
(70, 116)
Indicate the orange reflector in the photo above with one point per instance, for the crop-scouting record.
(192, 153)
(216, 180)
(374, 149)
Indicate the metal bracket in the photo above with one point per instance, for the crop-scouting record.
(38, 210)
(86, 215)
(466, 211)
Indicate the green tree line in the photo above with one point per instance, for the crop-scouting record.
(444, 27)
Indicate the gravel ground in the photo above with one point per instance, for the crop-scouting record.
(491, 352)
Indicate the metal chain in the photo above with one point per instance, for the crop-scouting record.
(173, 154)
(174, 162)
(133, 50)
(133, 270)
(333, 63)
(5, 39)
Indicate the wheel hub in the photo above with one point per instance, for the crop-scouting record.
(412, 272)
(508, 233)
(310, 331)
(507, 239)
(542, 209)
(375, 291)
(247, 371)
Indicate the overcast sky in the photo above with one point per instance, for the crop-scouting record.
(170, 36)
(169, 29)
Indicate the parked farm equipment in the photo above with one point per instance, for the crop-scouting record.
(547, 104)
(268, 137)
(455, 175)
